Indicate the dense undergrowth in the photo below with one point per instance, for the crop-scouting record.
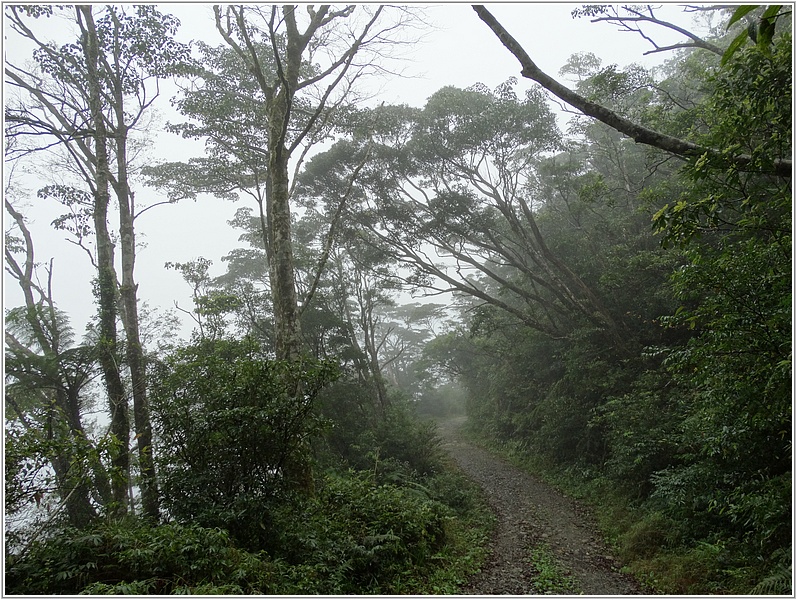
(383, 513)
(356, 536)
(668, 403)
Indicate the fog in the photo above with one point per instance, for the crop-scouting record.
(455, 49)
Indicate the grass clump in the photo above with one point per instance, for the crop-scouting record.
(549, 576)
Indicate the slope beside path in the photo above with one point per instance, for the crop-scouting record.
(530, 513)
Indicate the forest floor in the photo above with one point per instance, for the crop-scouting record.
(531, 514)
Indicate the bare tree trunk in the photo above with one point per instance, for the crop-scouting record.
(281, 270)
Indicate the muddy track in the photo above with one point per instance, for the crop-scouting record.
(530, 513)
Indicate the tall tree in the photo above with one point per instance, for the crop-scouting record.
(45, 377)
(451, 190)
(363, 277)
(329, 40)
(109, 82)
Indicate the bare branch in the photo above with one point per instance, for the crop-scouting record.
(697, 41)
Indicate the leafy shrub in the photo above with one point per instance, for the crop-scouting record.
(132, 557)
(395, 444)
(640, 430)
(453, 490)
(358, 537)
(403, 437)
(348, 409)
(232, 427)
(354, 536)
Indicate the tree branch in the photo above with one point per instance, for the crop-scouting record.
(332, 230)
(640, 134)
(697, 41)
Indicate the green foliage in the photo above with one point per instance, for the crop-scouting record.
(779, 580)
(48, 447)
(348, 407)
(131, 557)
(732, 470)
(358, 537)
(402, 437)
(26, 458)
(695, 570)
(761, 32)
(548, 576)
(640, 431)
(143, 44)
(744, 116)
(456, 123)
(354, 536)
(232, 427)
(647, 537)
(686, 415)
(395, 444)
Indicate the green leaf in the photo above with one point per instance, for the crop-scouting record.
(771, 11)
(734, 46)
(752, 31)
(740, 12)
(766, 28)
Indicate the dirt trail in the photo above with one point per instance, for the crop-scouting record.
(530, 512)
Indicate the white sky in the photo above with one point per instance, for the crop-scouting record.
(460, 50)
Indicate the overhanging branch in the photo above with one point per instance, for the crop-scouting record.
(640, 134)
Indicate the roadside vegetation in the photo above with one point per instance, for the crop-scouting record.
(386, 517)
(615, 311)
(666, 404)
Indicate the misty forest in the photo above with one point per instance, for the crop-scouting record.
(601, 301)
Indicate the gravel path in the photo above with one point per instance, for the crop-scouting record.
(530, 512)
